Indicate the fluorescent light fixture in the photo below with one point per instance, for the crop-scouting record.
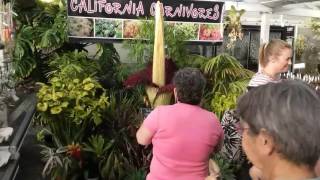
(270, 1)
(47, 1)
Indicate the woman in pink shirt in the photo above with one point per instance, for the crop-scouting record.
(183, 135)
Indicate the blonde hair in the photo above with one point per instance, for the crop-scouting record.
(273, 48)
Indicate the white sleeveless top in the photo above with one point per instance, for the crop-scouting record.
(261, 79)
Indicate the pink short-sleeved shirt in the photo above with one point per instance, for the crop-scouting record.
(183, 138)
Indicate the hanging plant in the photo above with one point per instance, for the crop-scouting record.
(315, 26)
(233, 25)
(300, 46)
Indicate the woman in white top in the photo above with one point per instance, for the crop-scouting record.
(274, 59)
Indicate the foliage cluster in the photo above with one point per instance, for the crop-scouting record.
(41, 32)
(87, 125)
(227, 79)
(69, 106)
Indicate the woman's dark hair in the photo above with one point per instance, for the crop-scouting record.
(189, 84)
(290, 112)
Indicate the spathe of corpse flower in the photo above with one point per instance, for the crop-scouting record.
(144, 77)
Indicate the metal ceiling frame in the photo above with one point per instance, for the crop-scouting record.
(302, 8)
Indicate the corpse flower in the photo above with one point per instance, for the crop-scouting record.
(158, 75)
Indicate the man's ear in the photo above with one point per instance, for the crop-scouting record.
(265, 143)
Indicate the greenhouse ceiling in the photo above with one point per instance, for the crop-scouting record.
(279, 3)
(309, 8)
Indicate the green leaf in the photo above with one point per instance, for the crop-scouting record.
(65, 104)
(56, 110)
(97, 119)
(88, 86)
(42, 107)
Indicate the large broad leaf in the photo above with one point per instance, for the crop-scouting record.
(25, 67)
(24, 62)
(55, 36)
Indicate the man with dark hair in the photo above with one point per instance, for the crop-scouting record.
(281, 129)
(183, 135)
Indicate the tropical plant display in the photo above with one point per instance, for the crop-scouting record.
(88, 109)
(87, 125)
(82, 125)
